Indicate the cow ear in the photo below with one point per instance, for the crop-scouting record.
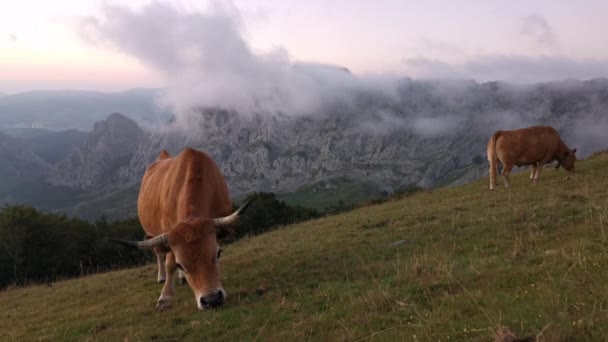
(163, 155)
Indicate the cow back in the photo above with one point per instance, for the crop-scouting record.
(174, 189)
(528, 145)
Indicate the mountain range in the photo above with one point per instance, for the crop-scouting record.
(432, 133)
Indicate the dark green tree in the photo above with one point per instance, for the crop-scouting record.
(267, 213)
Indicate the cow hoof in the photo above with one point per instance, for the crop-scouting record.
(161, 281)
(182, 281)
(164, 304)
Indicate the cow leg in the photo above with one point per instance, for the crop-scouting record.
(493, 167)
(160, 259)
(505, 174)
(165, 301)
(182, 277)
(541, 164)
(533, 173)
(537, 173)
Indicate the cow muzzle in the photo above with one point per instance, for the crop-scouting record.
(212, 300)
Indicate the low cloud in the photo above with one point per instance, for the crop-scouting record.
(430, 127)
(587, 135)
(381, 122)
(506, 120)
(206, 62)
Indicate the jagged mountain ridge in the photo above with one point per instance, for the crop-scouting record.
(428, 135)
(110, 145)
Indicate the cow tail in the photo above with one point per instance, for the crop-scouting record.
(493, 159)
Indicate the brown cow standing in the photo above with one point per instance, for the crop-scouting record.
(178, 199)
(536, 146)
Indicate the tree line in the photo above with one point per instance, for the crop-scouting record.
(40, 247)
(43, 247)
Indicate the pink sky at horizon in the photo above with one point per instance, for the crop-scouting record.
(40, 47)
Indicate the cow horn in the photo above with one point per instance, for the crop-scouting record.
(232, 218)
(150, 243)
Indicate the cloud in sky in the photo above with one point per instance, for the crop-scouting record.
(364, 36)
(539, 29)
(206, 61)
(543, 62)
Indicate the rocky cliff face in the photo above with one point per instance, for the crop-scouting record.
(282, 154)
(429, 134)
(100, 161)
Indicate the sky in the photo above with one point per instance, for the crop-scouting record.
(116, 45)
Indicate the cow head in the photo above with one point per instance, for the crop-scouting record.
(195, 248)
(568, 161)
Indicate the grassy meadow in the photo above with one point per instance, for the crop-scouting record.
(341, 191)
(453, 264)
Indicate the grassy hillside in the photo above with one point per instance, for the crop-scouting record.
(451, 264)
(326, 194)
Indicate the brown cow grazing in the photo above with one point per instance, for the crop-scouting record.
(536, 146)
(179, 203)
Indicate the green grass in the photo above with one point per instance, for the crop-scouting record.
(474, 265)
(320, 196)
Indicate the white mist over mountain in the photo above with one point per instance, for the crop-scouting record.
(206, 62)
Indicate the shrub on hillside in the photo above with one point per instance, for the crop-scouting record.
(36, 246)
(267, 212)
(39, 247)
